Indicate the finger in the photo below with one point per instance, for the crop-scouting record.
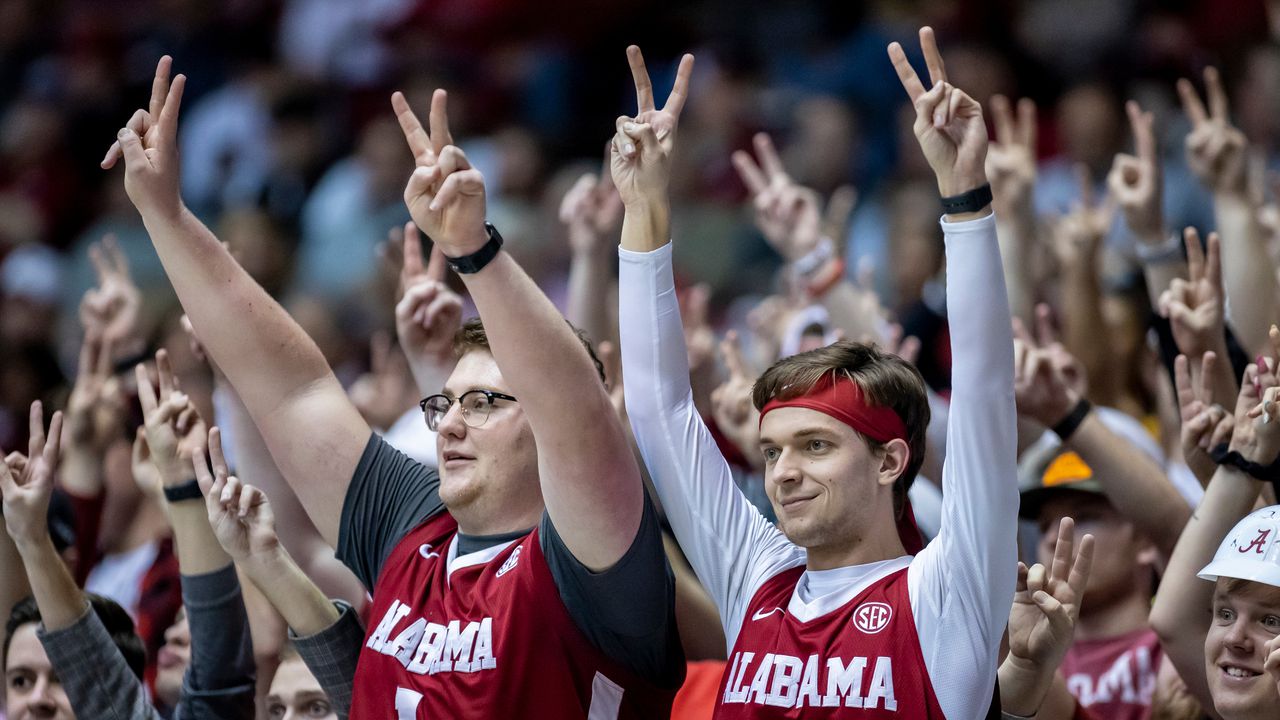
(1191, 104)
(1213, 263)
(411, 253)
(88, 354)
(906, 74)
(51, 448)
(836, 221)
(443, 303)
(640, 76)
(1020, 332)
(211, 487)
(1053, 611)
(1273, 335)
(411, 126)
(439, 121)
(230, 496)
(160, 85)
(119, 261)
(698, 299)
(217, 458)
(170, 408)
(932, 58)
(1218, 105)
(909, 350)
(186, 419)
(146, 392)
(1027, 127)
(1086, 185)
(1062, 550)
(770, 161)
(1021, 585)
(1195, 253)
(99, 261)
(1002, 117)
(1208, 366)
(467, 182)
(732, 353)
(1079, 578)
(680, 91)
(105, 367)
(750, 173)
(168, 120)
(131, 149)
(1035, 578)
(437, 265)
(1144, 139)
(249, 497)
(35, 430)
(1045, 331)
(164, 373)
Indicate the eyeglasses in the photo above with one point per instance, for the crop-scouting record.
(474, 405)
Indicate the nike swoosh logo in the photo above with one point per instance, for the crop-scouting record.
(760, 614)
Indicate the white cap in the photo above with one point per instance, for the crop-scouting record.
(1251, 551)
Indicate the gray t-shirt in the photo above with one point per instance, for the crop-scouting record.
(627, 611)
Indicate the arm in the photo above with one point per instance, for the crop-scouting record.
(590, 211)
(1011, 166)
(332, 654)
(1216, 152)
(314, 433)
(590, 482)
(731, 547)
(1194, 308)
(1182, 610)
(962, 583)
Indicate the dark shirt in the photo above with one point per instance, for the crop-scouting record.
(627, 611)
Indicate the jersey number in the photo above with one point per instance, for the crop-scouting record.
(407, 704)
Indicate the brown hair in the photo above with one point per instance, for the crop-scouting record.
(884, 379)
(471, 336)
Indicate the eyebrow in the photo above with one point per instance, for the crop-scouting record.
(799, 435)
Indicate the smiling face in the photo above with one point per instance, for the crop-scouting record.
(1246, 616)
(831, 491)
(31, 688)
(488, 474)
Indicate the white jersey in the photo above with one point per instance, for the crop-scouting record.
(960, 586)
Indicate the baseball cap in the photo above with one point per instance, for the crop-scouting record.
(1063, 471)
(1251, 551)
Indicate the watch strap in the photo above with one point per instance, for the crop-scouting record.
(968, 202)
(475, 262)
(1068, 425)
(1224, 455)
(189, 490)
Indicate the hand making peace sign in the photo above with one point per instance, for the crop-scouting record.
(149, 144)
(641, 148)
(948, 124)
(1215, 147)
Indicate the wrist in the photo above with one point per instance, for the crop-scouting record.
(266, 564)
(34, 547)
(1071, 417)
(951, 185)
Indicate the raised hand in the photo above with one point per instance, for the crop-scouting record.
(1272, 663)
(1011, 159)
(1077, 235)
(1194, 307)
(27, 486)
(1216, 149)
(786, 213)
(949, 125)
(445, 195)
(239, 514)
(174, 429)
(94, 409)
(149, 145)
(111, 310)
(384, 393)
(1048, 381)
(1046, 604)
(591, 210)
(1256, 435)
(429, 313)
(1135, 181)
(731, 404)
(698, 335)
(641, 148)
(1205, 424)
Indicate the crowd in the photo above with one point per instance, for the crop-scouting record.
(942, 388)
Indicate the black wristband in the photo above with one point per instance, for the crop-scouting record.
(475, 262)
(1223, 455)
(189, 490)
(1068, 425)
(968, 202)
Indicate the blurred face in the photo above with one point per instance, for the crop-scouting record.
(826, 484)
(1245, 617)
(488, 474)
(31, 689)
(1122, 552)
(172, 661)
(296, 694)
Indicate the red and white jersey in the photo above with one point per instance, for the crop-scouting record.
(945, 609)
(486, 636)
(864, 654)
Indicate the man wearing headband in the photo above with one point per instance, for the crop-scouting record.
(829, 614)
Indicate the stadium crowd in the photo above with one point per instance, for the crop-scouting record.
(921, 359)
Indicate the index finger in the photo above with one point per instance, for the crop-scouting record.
(146, 392)
(932, 58)
(1027, 128)
(906, 74)
(1213, 263)
(1191, 104)
(640, 76)
(1195, 253)
(55, 441)
(168, 121)
(98, 259)
(115, 257)
(769, 159)
(1046, 335)
(732, 352)
(216, 457)
(750, 173)
(165, 373)
(1002, 116)
(160, 85)
(1144, 139)
(35, 435)
(1208, 366)
(680, 91)
(1060, 568)
(439, 120)
(1219, 108)
(1079, 578)
(411, 251)
(411, 126)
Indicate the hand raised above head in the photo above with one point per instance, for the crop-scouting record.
(949, 124)
(27, 487)
(642, 145)
(149, 145)
(1216, 149)
(445, 194)
(240, 514)
(1135, 180)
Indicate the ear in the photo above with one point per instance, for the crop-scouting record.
(893, 461)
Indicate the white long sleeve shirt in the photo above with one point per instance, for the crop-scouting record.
(961, 585)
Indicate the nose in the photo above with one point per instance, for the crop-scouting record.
(451, 423)
(40, 701)
(1238, 638)
(785, 469)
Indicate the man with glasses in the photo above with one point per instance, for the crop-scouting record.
(527, 577)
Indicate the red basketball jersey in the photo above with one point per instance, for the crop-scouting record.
(491, 640)
(861, 660)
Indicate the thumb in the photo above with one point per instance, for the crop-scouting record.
(131, 147)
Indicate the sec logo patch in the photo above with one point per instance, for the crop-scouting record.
(872, 617)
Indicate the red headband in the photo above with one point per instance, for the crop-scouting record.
(839, 397)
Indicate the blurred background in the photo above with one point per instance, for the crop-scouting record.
(292, 155)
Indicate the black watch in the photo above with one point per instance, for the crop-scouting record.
(475, 262)
(189, 490)
(968, 202)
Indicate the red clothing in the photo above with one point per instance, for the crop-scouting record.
(1114, 678)
(697, 697)
(860, 660)
(491, 639)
